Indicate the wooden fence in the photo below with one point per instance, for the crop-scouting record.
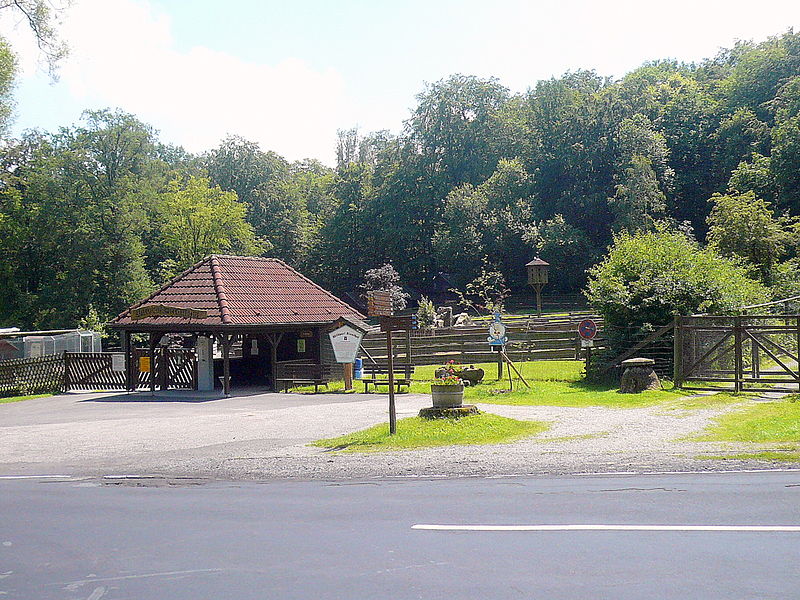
(742, 353)
(95, 371)
(24, 376)
(529, 339)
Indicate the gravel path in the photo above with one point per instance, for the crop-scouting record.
(267, 436)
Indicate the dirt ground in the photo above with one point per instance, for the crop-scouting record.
(266, 435)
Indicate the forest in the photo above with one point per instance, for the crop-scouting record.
(478, 180)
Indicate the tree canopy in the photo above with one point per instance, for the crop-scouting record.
(478, 180)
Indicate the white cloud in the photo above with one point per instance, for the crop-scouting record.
(123, 55)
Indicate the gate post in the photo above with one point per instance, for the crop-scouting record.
(677, 351)
(737, 349)
(66, 371)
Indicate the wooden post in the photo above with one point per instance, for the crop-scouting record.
(274, 340)
(500, 364)
(348, 376)
(226, 364)
(755, 358)
(390, 358)
(126, 348)
(737, 349)
(538, 288)
(677, 352)
(152, 355)
(66, 371)
(164, 368)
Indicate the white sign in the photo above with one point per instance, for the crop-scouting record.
(497, 332)
(118, 362)
(345, 341)
(587, 343)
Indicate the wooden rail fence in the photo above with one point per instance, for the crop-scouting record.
(544, 340)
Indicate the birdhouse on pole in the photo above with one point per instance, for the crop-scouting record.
(537, 278)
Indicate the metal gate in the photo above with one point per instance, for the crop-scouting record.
(743, 353)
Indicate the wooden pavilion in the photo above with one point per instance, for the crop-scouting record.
(253, 303)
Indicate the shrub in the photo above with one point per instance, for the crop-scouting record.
(647, 278)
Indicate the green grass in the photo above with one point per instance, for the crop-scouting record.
(763, 422)
(416, 432)
(21, 398)
(553, 383)
(772, 456)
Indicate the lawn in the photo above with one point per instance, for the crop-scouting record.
(416, 432)
(21, 398)
(763, 422)
(553, 383)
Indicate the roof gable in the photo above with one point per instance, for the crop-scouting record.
(243, 290)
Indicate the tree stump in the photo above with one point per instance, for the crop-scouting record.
(638, 375)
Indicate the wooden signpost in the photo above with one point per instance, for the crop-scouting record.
(379, 304)
(587, 329)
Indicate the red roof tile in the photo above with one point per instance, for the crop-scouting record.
(243, 290)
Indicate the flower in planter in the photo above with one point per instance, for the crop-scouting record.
(447, 379)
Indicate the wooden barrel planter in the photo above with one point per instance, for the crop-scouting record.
(447, 396)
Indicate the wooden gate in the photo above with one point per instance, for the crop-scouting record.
(743, 353)
(101, 370)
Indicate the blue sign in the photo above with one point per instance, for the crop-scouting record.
(497, 332)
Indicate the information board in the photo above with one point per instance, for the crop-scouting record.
(345, 341)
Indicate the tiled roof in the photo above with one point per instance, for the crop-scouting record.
(243, 290)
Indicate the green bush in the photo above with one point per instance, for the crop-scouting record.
(647, 278)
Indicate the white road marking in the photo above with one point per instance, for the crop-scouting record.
(35, 476)
(750, 528)
(97, 594)
(81, 582)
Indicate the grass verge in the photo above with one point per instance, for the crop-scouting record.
(770, 456)
(416, 432)
(763, 422)
(554, 383)
(21, 398)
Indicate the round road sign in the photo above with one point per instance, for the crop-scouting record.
(587, 329)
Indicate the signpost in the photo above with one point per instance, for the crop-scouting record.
(497, 341)
(379, 304)
(587, 329)
(346, 341)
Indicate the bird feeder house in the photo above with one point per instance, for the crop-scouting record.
(537, 271)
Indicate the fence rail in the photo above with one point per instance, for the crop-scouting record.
(24, 376)
(748, 353)
(548, 339)
(95, 371)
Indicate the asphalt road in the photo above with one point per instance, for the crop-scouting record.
(156, 539)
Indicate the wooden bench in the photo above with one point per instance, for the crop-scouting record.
(379, 375)
(292, 373)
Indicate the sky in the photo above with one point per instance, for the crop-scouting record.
(289, 74)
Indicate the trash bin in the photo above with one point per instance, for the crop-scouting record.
(359, 369)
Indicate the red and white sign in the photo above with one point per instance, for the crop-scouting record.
(587, 329)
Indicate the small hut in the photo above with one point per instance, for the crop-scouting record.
(245, 316)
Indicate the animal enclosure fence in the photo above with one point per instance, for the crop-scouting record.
(742, 353)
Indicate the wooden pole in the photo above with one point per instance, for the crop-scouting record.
(390, 358)
(539, 299)
(274, 341)
(226, 365)
(66, 371)
(126, 348)
(164, 368)
(677, 352)
(348, 376)
(152, 356)
(737, 349)
(500, 363)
